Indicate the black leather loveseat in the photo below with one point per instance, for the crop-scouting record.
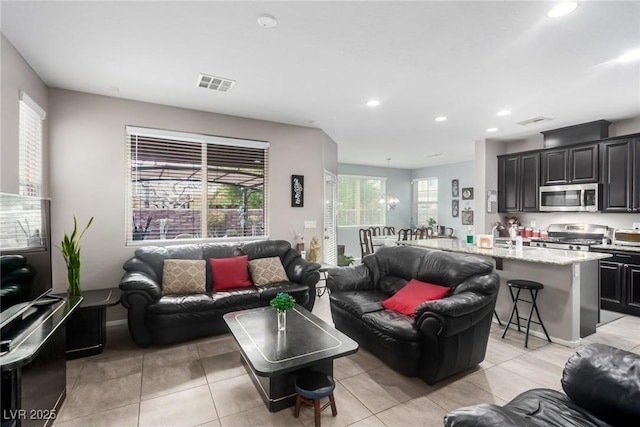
(602, 386)
(444, 336)
(155, 318)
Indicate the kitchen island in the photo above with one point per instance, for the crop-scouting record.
(568, 304)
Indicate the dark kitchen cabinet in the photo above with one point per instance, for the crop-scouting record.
(518, 182)
(572, 165)
(621, 175)
(620, 282)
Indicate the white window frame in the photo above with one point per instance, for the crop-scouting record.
(430, 206)
(381, 206)
(204, 184)
(30, 159)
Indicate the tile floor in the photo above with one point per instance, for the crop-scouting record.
(202, 383)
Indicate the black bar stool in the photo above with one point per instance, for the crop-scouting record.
(533, 288)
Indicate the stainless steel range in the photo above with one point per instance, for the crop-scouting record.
(573, 237)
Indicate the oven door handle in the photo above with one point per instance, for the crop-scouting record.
(583, 197)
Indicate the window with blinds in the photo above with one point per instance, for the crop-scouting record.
(30, 159)
(359, 201)
(425, 197)
(185, 185)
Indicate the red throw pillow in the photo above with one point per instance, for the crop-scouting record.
(228, 273)
(407, 299)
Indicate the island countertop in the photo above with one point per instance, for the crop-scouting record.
(527, 254)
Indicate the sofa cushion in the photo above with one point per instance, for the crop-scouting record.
(266, 271)
(170, 304)
(359, 303)
(412, 295)
(392, 324)
(238, 299)
(183, 276)
(229, 273)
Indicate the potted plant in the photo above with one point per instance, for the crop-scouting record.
(345, 260)
(283, 302)
(71, 252)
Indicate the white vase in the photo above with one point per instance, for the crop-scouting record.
(282, 321)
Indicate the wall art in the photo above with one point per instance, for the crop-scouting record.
(297, 191)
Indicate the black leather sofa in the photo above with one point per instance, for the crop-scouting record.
(16, 279)
(157, 319)
(602, 386)
(444, 336)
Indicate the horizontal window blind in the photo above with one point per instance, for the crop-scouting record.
(30, 147)
(425, 196)
(195, 186)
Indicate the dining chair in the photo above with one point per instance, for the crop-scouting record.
(388, 231)
(404, 234)
(375, 231)
(366, 244)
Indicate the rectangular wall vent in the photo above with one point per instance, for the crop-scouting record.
(215, 83)
(535, 121)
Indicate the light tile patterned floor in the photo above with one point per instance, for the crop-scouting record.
(202, 383)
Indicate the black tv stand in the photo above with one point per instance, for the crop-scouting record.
(34, 369)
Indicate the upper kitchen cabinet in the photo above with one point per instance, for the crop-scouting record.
(571, 165)
(621, 175)
(518, 182)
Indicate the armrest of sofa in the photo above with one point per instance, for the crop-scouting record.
(485, 415)
(139, 282)
(605, 381)
(344, 279)
(300, 270)
(455, 313)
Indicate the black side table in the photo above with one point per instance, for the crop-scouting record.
(87, 327)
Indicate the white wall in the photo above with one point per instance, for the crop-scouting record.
(17, 75)
(464, 173)
(87, 160)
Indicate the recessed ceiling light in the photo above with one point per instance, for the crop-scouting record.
(632, 55)
(373, 103)
(503, 113)
(492, 130)
(562, 9)
(267, 21)
(441, 118)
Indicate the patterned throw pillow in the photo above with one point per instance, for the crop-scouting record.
(266, 271)
(183, 276)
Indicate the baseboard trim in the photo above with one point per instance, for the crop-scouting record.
(542, 336)
(116, 322)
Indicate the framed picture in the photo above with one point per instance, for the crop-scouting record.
(455, 188)
(467, 217)
(467, 193)
(455, 208)
(297, 191)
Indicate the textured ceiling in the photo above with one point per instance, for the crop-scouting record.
(325, 60)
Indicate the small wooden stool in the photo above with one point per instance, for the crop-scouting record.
(311, 387)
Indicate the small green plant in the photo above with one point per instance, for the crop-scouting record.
(71, 252)
(283, 302)
(431, 222)
(345, 260)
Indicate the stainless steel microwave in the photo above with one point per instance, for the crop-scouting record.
(569, 198)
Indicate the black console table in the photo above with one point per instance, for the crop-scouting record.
(34, 371)
(86, 329)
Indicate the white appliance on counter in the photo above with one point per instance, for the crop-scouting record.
(626, 237)
(569, 198)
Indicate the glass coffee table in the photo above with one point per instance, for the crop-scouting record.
(273, 359)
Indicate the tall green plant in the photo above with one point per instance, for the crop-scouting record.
(71, 252)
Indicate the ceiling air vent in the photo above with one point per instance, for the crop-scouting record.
(215, 83)
(535, 121)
